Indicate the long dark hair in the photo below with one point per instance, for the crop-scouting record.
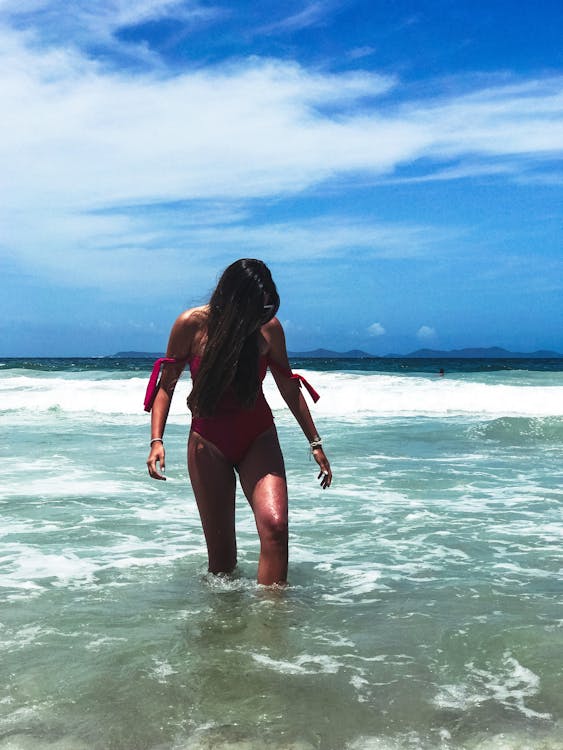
(230, 358)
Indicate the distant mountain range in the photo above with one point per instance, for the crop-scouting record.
(492, 352)
(329, 354)
(136, 355)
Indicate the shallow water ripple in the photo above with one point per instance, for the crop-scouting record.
(424, 609)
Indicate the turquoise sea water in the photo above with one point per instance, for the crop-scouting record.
(425, 600)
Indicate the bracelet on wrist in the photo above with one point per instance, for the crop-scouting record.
(157, 440)
(316, 444)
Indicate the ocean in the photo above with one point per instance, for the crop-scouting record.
(425, 601)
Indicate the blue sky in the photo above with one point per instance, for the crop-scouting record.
(397, 164)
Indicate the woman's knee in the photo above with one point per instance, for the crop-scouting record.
(273, 529)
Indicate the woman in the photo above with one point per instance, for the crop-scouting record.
(229, 344)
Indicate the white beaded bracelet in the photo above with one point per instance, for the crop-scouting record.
(157, 440)
(316, 444)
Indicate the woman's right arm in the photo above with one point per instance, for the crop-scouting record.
(179, 347)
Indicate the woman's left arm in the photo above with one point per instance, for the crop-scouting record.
(291, 393)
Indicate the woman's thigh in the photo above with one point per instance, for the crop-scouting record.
(262, 478)
(214, 485)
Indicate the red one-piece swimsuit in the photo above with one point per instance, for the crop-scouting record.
(233, 428)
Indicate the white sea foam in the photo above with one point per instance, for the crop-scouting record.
(227, 738)
(514, 741)
(69, 395)
(303, 664)
(353, 395)
(346, 395)
(12, 526)
(30, 567)
(357, 581)
(361, 686)
(24, 637)
(101, 642)
(31, 742)
(162, 670)
(511, 684)
(379, 743)
(443, 738)
(28, 571)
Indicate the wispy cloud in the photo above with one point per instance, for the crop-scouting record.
(103, 18)
(358, 53)
(482, 168)
(109, 249)
(311, 14)
(426, 333)
(376, 329)
(84, 25)
(519, 118)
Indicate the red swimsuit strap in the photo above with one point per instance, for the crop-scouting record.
(295, 376)
(152, 386)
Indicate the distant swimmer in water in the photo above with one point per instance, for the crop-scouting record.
(229, 344)
(441, 372)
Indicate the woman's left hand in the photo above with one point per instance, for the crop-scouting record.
(325, 474)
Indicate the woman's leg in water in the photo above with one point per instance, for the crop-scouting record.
(214, 484)
(262, 476)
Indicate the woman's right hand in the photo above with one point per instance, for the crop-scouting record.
(156, 456)
(325, 474)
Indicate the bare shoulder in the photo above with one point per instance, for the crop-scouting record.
(274, 336)
(272, 329)
(186, 332)
(192, 319)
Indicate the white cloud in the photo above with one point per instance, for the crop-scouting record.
(76, 136)
(101, 19)
(90, 137)
(426, 333)
(290, 327)
(357, 53)
(501, 120)
(462, 171)
(87, 136)
(376, 329)
(147, 246)
(86, 25)
(311, 14)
